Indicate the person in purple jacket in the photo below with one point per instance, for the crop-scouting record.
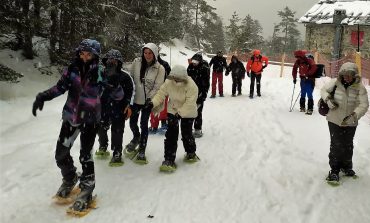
(84, 81)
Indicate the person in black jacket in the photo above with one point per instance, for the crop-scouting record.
(237, 73)
(116, 101)
(219, 63)
(199, 71)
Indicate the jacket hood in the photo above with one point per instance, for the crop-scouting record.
(234, 57)
(300, 53)
(178, 72)
(153, 48)
(197, 57)
(351, 68)
(256, 52)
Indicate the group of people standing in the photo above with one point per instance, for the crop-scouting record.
(103, 96)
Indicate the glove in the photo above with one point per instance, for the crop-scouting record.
(227, 74)
(248, 74)
(148, 104)
(331, 103)
(294, 81)
(127, 111)
(352, 116)
(264, 66)
(38, 104)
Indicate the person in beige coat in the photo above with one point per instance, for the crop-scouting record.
(182, 107)
(148, 76)
(346, 106)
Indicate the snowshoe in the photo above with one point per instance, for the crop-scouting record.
(69, 199)
(349, 173)
(63, 194)
(333, 178)
(197, 133)
(168, 166)
(116, 160)
(141, 159)
(191, 158)
(83, 204)
(130, 151)
(309, 112)
(102, 153)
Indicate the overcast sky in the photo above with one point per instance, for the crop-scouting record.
(265, 11)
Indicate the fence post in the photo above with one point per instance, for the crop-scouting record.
(282, 64)
(316, 57)
(358, 62)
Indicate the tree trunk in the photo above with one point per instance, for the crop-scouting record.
(27, 31)
(54, 31)
(37, 18)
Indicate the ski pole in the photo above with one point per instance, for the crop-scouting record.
(291, 102)
(295, 101)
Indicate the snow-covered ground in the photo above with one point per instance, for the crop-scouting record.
(259, 163)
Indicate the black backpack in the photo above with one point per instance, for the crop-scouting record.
(320, 71)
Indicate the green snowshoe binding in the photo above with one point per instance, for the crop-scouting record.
(116, 160)
(141, 158)
(102, 153)
(168, 166)
(333, 178)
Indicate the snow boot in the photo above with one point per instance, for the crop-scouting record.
(83, 201)
(141, 158)
(333, 178)
(168, 166)
(213, 96)
(116, 160)
(67, 186)
(309, 112)
(233, 95)
(240, 93)
(251, 96)
(221, 95)
(191, 158)
(197, 133)
(349, 172)
(130, 151)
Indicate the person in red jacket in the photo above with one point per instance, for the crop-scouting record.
(254, 68)
(307, 69)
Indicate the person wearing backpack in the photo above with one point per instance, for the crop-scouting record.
(307, 68)
(255, 66)
(237, 74)
(346, 106)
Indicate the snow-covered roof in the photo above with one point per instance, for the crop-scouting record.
(357, 12)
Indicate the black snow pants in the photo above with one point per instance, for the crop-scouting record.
(64, 160)
(253, 78)
(199, 119)
(341, 146)
(172, 134)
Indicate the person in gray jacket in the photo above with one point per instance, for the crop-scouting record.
(148, 76)
(182, 108)
(348, 101)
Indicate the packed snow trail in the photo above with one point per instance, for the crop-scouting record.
(259, 163)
